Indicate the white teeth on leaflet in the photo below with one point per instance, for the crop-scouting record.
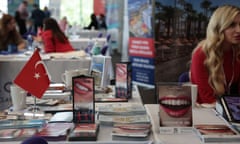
(81, 87)
(175, 102)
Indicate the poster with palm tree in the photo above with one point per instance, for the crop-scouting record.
(179, 26)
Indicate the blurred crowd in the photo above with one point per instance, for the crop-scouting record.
(18, 31)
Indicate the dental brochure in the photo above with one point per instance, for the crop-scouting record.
(83, 99)
(216, 133)
(100, 69)
(175, 108)
(123, 84)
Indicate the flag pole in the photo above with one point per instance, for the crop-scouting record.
(34, 110)
(39, 77)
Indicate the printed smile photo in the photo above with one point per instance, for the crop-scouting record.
(175, 105)
(83, 99)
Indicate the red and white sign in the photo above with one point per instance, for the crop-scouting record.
(142, 47)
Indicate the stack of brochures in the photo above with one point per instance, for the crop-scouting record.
(13, 130)
(16, 134)
(216, 133)
(55, 131)
(84, 132)
(129, 121)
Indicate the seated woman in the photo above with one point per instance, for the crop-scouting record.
(215, 65)
(93, 24)
(53, 38)
(9, 34)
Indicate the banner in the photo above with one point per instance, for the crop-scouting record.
(99, 7)
(141, 43)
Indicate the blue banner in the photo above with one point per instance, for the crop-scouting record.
(143, 71)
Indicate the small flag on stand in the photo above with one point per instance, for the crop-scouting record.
(34, 77)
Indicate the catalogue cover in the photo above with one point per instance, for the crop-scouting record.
(84, 132)
(136, 132)
(216, 133)
(16, 134)
(55, 131)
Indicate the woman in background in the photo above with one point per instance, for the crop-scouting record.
(53, 38)
(93, 24)
(9, 34)
(215, 65)
(102, 22)
(63, 24)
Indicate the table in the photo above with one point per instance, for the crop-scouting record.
(136, 99)
(11, 65)
(82, 43)
(87, 33)
(104, 136)
(200, 116)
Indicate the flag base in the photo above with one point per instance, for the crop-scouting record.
(34, 112)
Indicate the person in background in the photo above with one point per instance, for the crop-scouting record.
(20, 23)
(93, 24)
(102, 22)
(53, 38)
(9, 34)
(63, 24)
(47, 12)
(215, 63)
(23, 15)
(30, 29)
(37, 17)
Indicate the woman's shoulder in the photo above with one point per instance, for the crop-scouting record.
(198, 52)
(47, 33)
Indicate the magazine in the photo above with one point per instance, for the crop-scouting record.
(55, 131)
(33, 123)
(106, 97)
(131, 131)
(216, 133)
(125, 119)
(15, 134)
(122, 109)
(84, 132)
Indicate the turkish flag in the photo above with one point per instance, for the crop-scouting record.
(33, 78)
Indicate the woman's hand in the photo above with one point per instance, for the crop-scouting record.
(22, 45)
(37, 38)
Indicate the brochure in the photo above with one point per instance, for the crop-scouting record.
(123, 80)
(175, 107)
(216, 133)
(83, 99)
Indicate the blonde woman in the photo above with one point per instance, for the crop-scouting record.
(215, 64)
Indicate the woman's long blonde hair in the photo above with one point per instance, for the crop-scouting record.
(221, 19)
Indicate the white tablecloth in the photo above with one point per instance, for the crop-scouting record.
(11, 66)
(200, 116)
(104, 136)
